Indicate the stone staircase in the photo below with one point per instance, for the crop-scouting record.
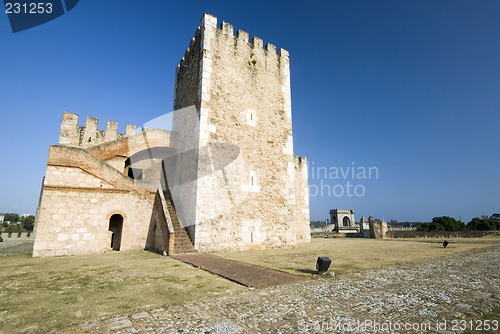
(183, 243)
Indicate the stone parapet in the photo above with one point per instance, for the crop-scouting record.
(89, 135)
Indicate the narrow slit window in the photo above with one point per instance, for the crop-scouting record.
(251, 117)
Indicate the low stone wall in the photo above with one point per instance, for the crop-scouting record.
(438, 234)
(358, 235)
(323, 229)
(16, 236)
(327, 234)
(401, 228)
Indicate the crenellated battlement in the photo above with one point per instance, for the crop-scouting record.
(89, 135)
(226, 30)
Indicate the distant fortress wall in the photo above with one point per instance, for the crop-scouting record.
(438, 234)
(17, 236)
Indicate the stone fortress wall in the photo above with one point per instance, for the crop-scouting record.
(226, 173)
(16, 236)
(81, 192)
(242, 93)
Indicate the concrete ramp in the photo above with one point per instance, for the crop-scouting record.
(242, 273)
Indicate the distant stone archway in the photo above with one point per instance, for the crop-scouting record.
(116, 227)
(346, 221)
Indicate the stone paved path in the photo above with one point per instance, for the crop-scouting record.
(242, 273)
(411, 298)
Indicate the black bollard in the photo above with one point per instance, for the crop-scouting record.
(322, 264)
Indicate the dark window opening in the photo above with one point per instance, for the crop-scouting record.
(116, 226)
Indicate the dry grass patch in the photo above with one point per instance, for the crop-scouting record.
(354, 255)
(50, 294)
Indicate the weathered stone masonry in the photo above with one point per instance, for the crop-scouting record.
(81, 191)
(233, 181)
(242, 96)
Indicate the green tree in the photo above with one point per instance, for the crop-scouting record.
(425, 227)
(495, 216)
(484, 223)
(449, 224)
(11, 217)
(29, 223)
(495, 221)
(436, 227)
(443, 223)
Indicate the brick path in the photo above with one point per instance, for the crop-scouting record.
(245, 274)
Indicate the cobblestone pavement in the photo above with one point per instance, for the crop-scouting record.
(410, 298)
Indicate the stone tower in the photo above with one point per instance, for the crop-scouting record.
(343, 221)
(224, 177)
(240, 91)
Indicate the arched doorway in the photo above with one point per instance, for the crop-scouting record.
(116, 226)
(346, 221)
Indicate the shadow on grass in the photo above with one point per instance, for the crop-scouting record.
(307, 271)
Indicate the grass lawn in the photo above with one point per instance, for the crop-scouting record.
(354, 255)
(49, 294)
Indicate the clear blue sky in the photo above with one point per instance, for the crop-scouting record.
(409, 87)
